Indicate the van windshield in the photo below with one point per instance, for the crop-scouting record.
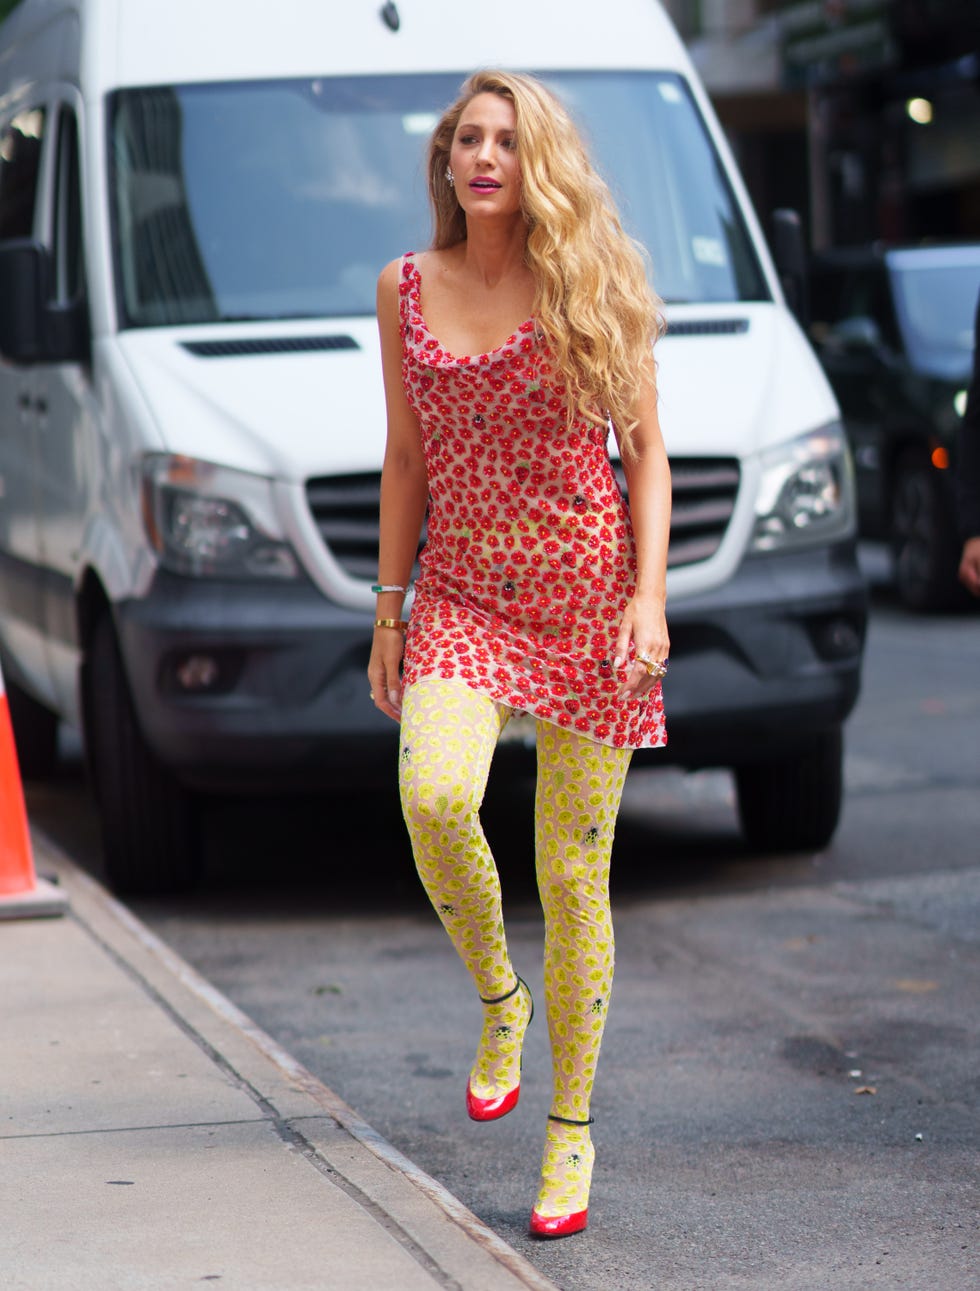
(283, 199)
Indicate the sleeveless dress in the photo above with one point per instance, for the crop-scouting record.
(529, 559)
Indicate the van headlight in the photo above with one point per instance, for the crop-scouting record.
(210, 521)
(806, 492)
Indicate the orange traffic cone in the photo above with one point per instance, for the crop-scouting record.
(22, 894)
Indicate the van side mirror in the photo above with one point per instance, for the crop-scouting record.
(789, 254)
(33, 328)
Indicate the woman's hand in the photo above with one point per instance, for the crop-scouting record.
(384, 671)
(645, 626)
(644, 623)
(970, 566)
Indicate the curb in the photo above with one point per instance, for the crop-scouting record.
(284, 1089)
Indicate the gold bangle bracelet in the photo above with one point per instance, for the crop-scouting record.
(400, 624)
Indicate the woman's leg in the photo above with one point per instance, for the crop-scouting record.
(448, 736)
(580, 784)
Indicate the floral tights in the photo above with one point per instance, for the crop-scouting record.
(448, 736)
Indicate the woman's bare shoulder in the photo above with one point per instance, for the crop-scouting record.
(388, 282)
(432, 262)
(390, 274)
(426, 263)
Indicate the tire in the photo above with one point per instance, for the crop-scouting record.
(924, 541)
(35, 734)
(792, 803)
(149, 825)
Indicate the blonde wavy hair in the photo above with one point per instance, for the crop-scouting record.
(593, 302)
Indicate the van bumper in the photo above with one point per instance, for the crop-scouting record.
(766, 660)
(288, 706)
(756, 665)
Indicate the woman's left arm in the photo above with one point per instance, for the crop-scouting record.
(647, 472)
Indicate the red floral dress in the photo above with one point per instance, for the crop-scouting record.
(530, 558)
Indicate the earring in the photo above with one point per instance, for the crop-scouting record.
(450, 178)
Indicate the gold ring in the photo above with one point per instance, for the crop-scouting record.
(652, 667)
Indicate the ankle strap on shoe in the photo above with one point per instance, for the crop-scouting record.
(499, 999)
(563, 1120)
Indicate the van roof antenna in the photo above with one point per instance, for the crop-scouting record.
(390, 14)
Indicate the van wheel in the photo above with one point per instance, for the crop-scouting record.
(792, 803)
(924, 543)
(35, 733)
(149, 823)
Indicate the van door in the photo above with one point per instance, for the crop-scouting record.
(67, 424)
(21, 562)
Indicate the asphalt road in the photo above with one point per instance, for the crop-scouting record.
(789, 1089)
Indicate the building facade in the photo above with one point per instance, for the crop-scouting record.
(864, 115)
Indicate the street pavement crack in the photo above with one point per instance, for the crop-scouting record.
(135, 1129)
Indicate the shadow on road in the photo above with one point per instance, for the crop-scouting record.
(348, 853)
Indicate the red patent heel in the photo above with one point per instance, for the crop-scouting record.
(567, 1171)
(491, 1109)
(559, 1225)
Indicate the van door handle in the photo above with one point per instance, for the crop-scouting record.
(24, 402)
(40, 405)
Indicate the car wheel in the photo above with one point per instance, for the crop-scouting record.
(792, 803)
(35, 733)
(924, 541)
(149, 824)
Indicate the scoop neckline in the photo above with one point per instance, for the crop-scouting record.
(513, 339)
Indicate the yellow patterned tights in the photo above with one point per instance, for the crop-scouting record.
(448, 736)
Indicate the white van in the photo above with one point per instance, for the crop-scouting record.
(195, 202)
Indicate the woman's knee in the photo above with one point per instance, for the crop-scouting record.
(430, 803)
(447, 740)
(573, 884)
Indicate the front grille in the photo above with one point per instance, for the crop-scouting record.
(703, 493)
(345, 508)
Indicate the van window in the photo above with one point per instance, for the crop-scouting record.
(67, 238)
(283, 199)
(20, 156)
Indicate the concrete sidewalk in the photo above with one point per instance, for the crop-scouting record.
(152, 1136)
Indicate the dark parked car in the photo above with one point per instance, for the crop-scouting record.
(894, 331)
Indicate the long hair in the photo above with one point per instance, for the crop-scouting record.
(593, 302)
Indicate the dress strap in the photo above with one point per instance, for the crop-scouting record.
(407, 288)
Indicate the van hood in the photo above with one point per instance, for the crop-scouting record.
(291, 401)
(735, 379)
(283, 400)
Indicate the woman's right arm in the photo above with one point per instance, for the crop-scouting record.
(404, 493)
(968, 473)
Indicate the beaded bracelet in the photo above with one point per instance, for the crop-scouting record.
(400, 624)
(387, 587)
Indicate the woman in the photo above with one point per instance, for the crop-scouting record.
(968, 473)
(508, 348)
